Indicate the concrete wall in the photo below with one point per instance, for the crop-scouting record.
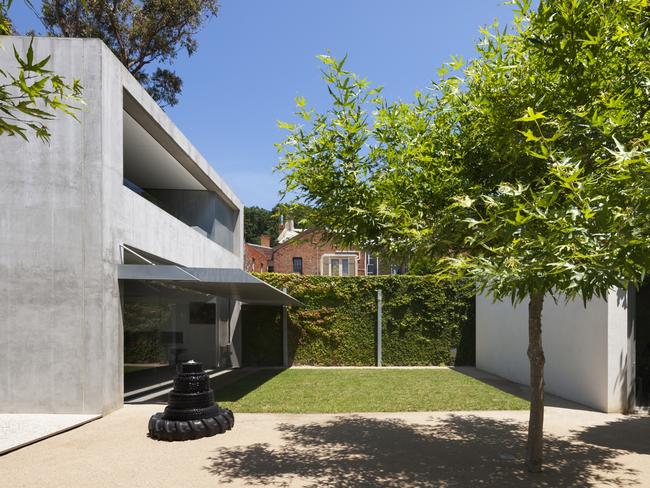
(55, 344)
(202, 209)
(63, 215)
(145, 226)
(586, 348)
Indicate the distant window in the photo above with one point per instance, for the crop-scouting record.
(203, 313)
(371, 265)
(339, 265)
(297, 265)
(270, 270)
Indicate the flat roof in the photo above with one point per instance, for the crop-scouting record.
(232, 282)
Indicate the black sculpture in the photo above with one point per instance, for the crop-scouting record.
(191, 413)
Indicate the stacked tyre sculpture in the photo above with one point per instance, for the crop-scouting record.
(191, 412)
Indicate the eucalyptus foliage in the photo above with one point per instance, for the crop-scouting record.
(141, 33)
(31, 94)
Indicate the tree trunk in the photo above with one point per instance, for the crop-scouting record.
(535, 443)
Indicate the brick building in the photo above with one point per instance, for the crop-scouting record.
(258, 257)
(307, 252)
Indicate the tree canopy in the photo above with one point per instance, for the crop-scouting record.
(260, 221)
(476, 167)
(525, 171)
(143, 34)
(31, 94)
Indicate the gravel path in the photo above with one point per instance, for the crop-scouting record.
(446, 449)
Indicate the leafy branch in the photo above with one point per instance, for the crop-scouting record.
(32, 95)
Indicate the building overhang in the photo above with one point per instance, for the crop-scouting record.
(231, 282)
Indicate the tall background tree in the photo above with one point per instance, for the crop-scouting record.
(30, 94)
(525, 172)
(260, 221)
(143, 34)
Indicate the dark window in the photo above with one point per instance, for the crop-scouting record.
(203, 313)
(371, 265)
(297, 265)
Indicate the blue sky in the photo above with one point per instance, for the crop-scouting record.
(258, 55)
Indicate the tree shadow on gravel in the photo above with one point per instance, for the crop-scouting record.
(629, 433)
(462, 451)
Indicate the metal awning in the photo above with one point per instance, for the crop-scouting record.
(231, 282)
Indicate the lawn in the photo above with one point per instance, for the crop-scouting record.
(362, 390)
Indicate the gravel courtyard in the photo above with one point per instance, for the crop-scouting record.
(445, 449)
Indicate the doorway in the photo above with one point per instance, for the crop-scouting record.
(642, 340)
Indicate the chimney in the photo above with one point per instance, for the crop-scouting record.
(265, 240)
(288, 224)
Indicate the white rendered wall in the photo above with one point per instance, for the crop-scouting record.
(585, 348)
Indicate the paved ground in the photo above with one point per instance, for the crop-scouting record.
(463, 449)
(19, 429)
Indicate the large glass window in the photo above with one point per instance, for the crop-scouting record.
(164, 326)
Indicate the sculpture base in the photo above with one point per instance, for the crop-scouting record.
(183, 430)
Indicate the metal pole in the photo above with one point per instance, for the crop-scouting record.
(379, 303)
(285, 344)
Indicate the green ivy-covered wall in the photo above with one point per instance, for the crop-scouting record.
(424, 322)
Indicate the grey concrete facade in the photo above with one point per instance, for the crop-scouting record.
(64, 216)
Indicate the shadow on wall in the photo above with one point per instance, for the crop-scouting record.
(457, 451)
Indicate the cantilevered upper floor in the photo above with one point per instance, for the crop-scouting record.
(121, 177)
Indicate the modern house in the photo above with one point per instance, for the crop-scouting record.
(121, 248)
(597, 355)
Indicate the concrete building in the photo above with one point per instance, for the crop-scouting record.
(121, 248)
(597, 355)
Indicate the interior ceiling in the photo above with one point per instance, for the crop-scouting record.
(148, 164)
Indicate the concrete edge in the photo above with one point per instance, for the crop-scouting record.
(50, 434)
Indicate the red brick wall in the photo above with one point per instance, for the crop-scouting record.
(255, 259)
(310, 248)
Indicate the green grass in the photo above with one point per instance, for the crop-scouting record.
(362, 390)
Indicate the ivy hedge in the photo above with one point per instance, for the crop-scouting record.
(424, 322)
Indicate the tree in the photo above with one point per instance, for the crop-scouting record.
(525, 172)
(33, 94)
(296, 212)
(141, 34)
(259, 221)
